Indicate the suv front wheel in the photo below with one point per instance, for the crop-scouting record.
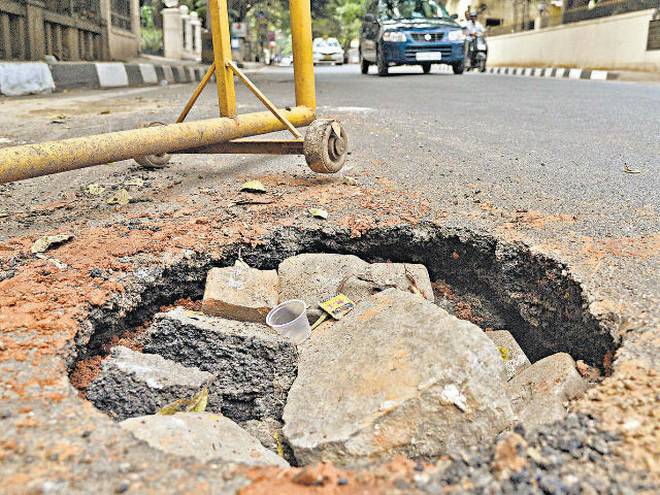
(458, 67)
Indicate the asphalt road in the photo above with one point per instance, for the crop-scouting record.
(548, 153)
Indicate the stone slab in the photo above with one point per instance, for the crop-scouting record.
(240, 292)
(539, 393)
(204, 436)
(377, 277)
(513, 356)
(397, 375)
(254, 366)
(134, 384)
(315, 277)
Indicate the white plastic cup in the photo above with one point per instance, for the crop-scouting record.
(289, 319)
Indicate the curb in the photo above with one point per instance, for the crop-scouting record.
(559, 73)
(91, 75)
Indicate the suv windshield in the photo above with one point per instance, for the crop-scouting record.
(412, 9)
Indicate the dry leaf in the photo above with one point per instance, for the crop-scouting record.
(253, 186)
(43, 244)
(121, 198)
(95, 189)
(318, 213)
(197, 403)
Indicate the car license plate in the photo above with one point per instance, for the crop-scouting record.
(425, 56)
(327, 57)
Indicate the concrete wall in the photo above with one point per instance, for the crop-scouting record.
(613, 43)
(122, 44)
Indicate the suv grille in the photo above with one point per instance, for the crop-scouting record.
(422, 37)
(410, 52)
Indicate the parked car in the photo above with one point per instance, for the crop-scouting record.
(410, 32)
(327, 50)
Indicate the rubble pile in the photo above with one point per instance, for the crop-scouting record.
(393, 374)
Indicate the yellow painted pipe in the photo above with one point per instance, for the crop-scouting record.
(303, 59)
(34, 160)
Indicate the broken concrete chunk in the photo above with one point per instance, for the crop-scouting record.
(269, 432)
(513, 356)
(396, 375)
(539, 392)
(240, 292)
(134, 384)
(315, 277)
(377, 277)
(254, 366)
(204, 436)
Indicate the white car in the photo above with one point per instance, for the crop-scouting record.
(328, 50)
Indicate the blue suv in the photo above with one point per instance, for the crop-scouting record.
(410, 32)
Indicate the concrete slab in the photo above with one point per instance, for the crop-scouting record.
(24, 78)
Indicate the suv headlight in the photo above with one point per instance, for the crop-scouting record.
(396, 36)
(456, 35)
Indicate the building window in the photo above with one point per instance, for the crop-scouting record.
(120, 13)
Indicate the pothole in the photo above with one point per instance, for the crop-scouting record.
(412, 396)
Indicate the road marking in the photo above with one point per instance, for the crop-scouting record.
(111, 74)
(575, 73)
(599, 75)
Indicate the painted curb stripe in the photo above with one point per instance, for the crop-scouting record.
(111, 74)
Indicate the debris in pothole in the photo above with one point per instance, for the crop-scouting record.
(386, 372)
(289, 319)
(377, 277)
(240, 292)
(43, 244)
(204, 436)
(134, 384)
(315, 277)
(371, 385)
(269, 432)
(539, 392)
(254, 367)
(513, 356)
(337, 307)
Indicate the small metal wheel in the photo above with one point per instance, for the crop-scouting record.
(152, 161)
(325, 146)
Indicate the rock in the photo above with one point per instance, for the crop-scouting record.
(377, 277)
(254, 366)
(396, 375)
(513, 356)
(315, 277)
(134, 384)
(240, 293)
(510, 455)
(269, 432)
(539, 392)
(204, 436)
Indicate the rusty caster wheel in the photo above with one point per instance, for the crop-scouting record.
(152, 161)
(325, 146)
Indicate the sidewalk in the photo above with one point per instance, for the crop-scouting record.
(576, 73)
(22, 78)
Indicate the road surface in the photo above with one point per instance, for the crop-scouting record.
(568, 168)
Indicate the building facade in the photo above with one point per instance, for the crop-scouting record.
(69, 30)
